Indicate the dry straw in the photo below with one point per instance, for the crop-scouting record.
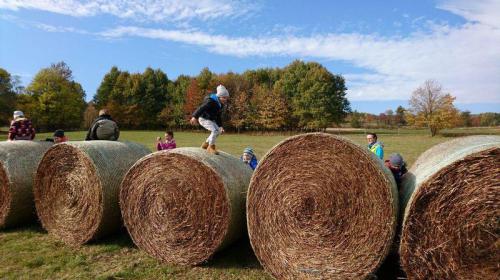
(451, 225)
(77, 186)
(321, 207)
(18, 163)
(181, 206)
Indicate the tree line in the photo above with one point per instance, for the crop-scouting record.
(300, 96)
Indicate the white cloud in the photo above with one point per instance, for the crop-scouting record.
(465, 59)
(141, 10)
(483, 11)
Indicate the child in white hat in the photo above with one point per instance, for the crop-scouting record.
(209, 114)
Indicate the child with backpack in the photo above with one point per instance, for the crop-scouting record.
(209, 114)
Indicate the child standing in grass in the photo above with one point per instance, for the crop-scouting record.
(168, 144)
(209, 114)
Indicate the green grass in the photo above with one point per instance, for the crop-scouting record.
(29, 253)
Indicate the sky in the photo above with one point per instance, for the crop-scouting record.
(384, 49)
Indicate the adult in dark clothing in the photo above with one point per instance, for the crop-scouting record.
(209, 114)
(397, 166)
(103, 128)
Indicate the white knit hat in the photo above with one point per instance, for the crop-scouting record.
(222, 91)
(18, 114)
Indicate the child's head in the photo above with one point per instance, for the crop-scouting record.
(59, 136)
(222, 94)
(247, 154)
(169, 135)
(396, 161)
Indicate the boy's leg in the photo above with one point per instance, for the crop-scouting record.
(212, 127)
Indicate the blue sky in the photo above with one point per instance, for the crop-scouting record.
(384, 49)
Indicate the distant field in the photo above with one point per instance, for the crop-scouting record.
(29, 253)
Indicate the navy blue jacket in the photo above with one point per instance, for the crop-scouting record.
(210, 109)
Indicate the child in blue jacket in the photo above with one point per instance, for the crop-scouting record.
(249, 158)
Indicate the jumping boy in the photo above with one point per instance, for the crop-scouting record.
(209, 114)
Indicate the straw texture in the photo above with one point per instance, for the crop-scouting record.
(182, 206)
(451, 223)
(18, 163)
(77, 187)
(321, 207)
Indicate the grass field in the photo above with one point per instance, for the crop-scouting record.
(29, 253)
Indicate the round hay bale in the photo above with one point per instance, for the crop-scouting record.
(77, 187)
(182, 206)
(451, 225)
(321, 207)
(18, 163)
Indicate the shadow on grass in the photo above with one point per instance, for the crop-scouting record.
(31, 228)
(119, 239)
(237, 255)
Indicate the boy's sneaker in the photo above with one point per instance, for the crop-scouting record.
(211, 149)
(204, 145)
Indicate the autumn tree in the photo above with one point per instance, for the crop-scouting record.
(89, 115)
(431, 107)
(271, 110)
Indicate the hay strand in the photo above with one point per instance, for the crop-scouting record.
(183, 205)
(77, 186)
(451, 225)
(18, 163)
(321, 207)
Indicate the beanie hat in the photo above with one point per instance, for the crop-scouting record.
(396, 160)
(18, 114)
(222, 91)
(59, 133)
(249, 151)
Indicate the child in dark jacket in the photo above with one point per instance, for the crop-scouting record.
(209, 114)
(397, 166)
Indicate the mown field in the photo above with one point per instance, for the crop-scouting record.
(29, 253)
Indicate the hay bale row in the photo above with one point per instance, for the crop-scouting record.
(182, 206)
(77, 186)
(321, 207)
(18, 163)
(451, 227)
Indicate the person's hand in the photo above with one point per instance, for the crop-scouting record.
(193, 121)
(158, 139)
(221, 129)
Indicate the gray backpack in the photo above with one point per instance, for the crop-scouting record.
(107, 130)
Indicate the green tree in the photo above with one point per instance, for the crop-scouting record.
(356, 119)
(103, 93)
(7, 96)
(466, 119)
(489, 119)
(400, 116)
(317, 97)
(53, 99)
(172, 114)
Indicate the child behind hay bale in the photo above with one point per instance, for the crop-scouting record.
(168, 144)
(249, 158)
